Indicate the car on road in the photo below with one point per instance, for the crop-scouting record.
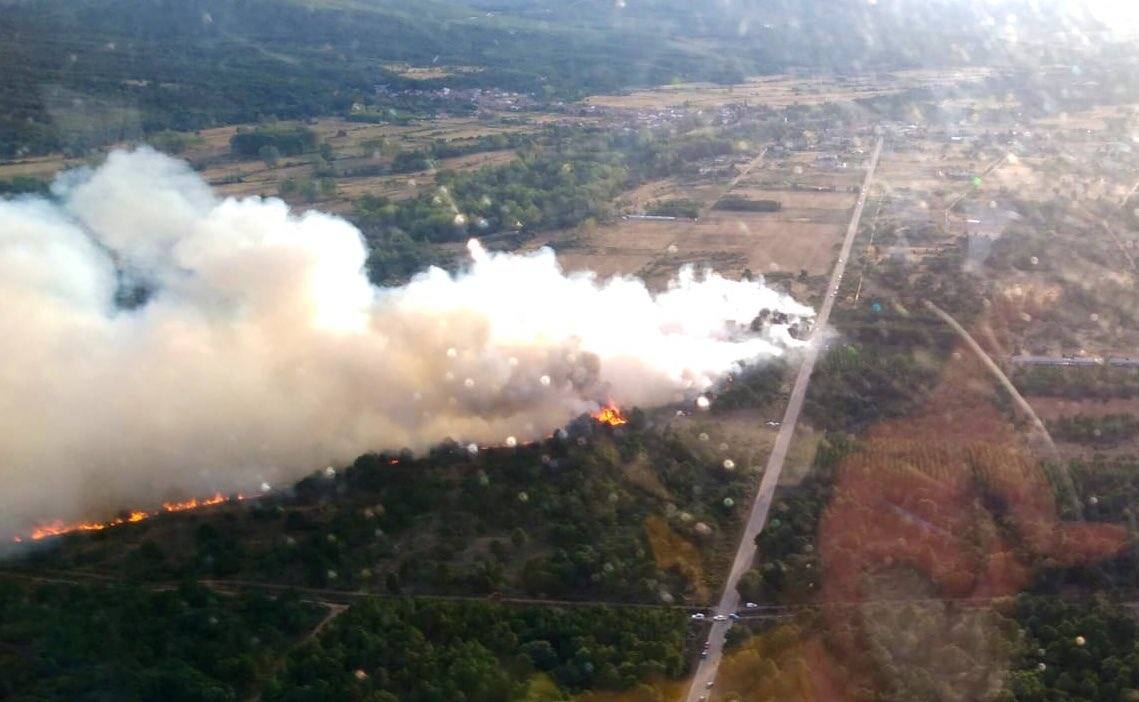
(734, 616)
(720, 618)
(709, 683)
(750, 605)
(698, 617)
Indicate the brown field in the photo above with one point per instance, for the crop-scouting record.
(726, 242)
(801, 237)
(650, 192)
(783, 90)
(428, 72)
(798, 199)
(672, 551)
(1052, 408)
(1094, 119)
(44, 168)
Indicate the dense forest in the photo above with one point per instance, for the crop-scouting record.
(122, 642)
(628, 514)
(415, 651)
(83, 74)
(189, 643)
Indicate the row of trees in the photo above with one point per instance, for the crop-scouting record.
(1100, 382)
(422, 159)
(1108, 430)
(279, 138)
(23, 185)
(739, 203)
(674, 207)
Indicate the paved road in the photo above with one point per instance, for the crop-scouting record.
(745, 555)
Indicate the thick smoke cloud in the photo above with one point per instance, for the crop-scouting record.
(264, 353)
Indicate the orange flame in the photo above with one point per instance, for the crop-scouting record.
(610, 414)
(216, 499)
(59, 528)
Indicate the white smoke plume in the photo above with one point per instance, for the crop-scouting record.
(264, 353)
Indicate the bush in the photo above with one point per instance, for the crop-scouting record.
(287, 140)
(738, 203)
(678, 207)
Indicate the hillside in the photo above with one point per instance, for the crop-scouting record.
(86, 73)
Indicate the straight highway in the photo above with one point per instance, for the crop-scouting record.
(745, 554)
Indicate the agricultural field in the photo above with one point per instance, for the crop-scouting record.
(786, 90)
(354, 147)
(797, 241)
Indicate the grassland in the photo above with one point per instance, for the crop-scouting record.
(786, 90)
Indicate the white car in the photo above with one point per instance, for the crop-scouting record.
(750, 605)
(698, 617)
(720, 618)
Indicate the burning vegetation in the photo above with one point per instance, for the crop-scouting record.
(59, 528)
(610, 414)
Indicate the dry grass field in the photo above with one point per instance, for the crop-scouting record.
(257, 179)
(784, 90)
(803, 236)
(406, 70)
(44, 168)
(728, 242)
